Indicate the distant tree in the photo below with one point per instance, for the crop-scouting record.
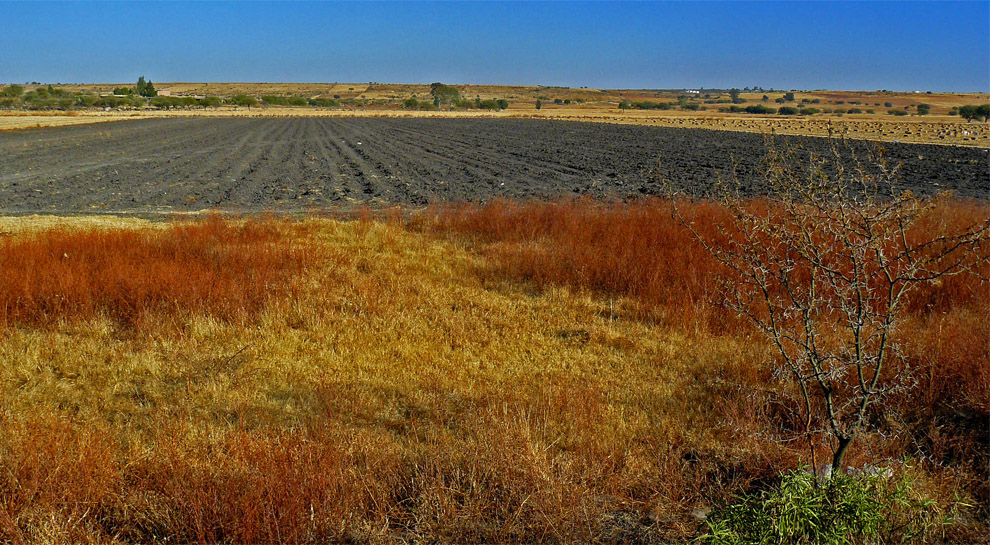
(558, 101)
(734, 94)
(766, 98)
(787, 110)
(789, 97)
(444, 94)
(888, 105)
(503, 104)
(972, 112)
(244, 100)
(146, 88)
(924, 109)
(539, 104)
(625, 104)
(759, 109)
(123, 91)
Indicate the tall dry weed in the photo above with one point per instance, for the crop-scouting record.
(145, 276)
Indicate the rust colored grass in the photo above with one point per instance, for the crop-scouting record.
(213, 267)
(399, 398)
(639, 250)
(636, 249)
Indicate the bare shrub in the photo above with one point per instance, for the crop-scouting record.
(826, 273)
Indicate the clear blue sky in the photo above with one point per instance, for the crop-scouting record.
(938, 46)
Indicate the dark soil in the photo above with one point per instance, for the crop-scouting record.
(297, 164)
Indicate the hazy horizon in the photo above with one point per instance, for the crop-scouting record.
(898, 46)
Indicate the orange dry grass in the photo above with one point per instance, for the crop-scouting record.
(639, 250)
(398, 398)
(636, 249)
(210, 267)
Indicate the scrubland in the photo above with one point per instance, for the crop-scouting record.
(515, 372)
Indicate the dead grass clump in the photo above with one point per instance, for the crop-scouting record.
(54, 476)
(215, 267)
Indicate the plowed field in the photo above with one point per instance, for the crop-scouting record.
(251, 164)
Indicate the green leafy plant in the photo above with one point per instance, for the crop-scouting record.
(866, 508)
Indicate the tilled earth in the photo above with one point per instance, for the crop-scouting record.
(298, 164)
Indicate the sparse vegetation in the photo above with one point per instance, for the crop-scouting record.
(501, 373)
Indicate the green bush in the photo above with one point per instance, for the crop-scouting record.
(972, 112)
(209, 102)
(325, 102)
(809, 111)
(924, 109)
(897, 112)
(760, 109)
(413, 104)
(244, 100)
(888, 105)
(855, 111)
(787, 110)
(493, 104)
(296, 101)
(789, 97)
(839, 510)
(167, 103)
(12, 91)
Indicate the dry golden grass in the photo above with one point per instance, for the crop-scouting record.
(406, 389)
(35, 120)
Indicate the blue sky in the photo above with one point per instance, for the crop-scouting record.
(938, 46)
